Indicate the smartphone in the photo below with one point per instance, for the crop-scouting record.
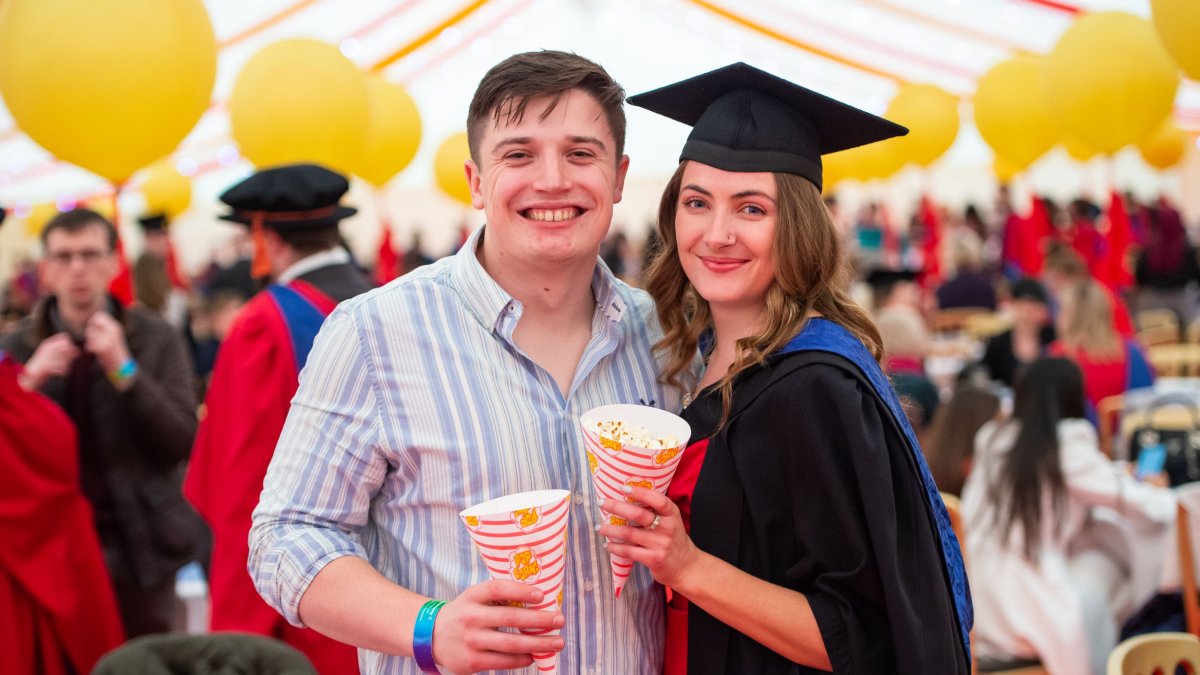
(1151, 460)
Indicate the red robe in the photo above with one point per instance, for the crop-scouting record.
(253, 382)
(56, 600)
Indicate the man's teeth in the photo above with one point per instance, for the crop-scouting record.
(552, 215)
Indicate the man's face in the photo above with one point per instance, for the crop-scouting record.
(78, 266)
(547, 185)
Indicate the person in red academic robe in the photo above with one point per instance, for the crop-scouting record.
(293, 212)
(58, 613)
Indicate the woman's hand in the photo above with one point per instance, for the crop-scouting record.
(654, 535)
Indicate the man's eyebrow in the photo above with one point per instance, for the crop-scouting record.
(525, 140)
(591, 140)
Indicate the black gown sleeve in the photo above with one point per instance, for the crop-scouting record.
(864, 550)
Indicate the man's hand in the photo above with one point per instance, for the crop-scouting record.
(105, 338)
(52, 359)
(466, 639)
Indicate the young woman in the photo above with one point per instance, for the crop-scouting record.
(805, 533)
(1086, 334)
(1029, 503)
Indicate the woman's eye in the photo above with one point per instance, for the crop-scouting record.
(694, 203)
(756, 210)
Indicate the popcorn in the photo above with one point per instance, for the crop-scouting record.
(615, 433)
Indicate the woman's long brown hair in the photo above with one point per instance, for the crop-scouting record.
(811, 276)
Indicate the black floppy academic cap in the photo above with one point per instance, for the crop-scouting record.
(1027, 288)
(154, 223)
(293, 197)
(886, 278)
(745, 119)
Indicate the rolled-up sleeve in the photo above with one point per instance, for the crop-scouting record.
(327, 466)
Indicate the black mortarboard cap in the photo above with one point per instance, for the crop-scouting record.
(886, 278)
(745, 119)
(154, 223)
(293, 197)
(1027, 288)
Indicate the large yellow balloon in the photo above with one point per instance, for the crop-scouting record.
(300, 100)
(110, 86)
(1011, 113)
(448, 168)
(393, 133)
(1004, 169)
(1164, 148)
(1178, 24)
(931, 116)
(1077, 149)
(166, 191)
(1109, 80)
(38, 216)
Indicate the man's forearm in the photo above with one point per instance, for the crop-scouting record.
(350, 601)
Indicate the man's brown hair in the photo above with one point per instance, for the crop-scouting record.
(506, 90)
(80, 219)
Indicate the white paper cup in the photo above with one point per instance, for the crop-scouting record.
(615, 465)
(523, 537)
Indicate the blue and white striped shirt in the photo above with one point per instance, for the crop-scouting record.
(415, 404)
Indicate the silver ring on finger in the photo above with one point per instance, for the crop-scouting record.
(654, 523)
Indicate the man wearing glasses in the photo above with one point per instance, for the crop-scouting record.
(124, 378)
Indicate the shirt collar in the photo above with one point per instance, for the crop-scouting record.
(487, 301)
(333, 256)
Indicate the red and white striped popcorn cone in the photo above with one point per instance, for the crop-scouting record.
(617, 462)
(523, 537)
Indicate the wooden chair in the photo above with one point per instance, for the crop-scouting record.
(1189, 501)
(1178, 360)
(955, 320)
(1193, 332)
(954, 509)
(1108, 410)
(1156, 318)
(985, 325)
(1158, 335)
(1156, 653)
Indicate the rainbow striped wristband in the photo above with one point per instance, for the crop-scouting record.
(423, 636)
(123, 372)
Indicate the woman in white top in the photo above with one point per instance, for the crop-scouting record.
(1058, 594)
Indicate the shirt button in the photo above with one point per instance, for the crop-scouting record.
(589, 586)
(578, 499)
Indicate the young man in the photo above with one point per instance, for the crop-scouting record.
(297, 208)
(124, 378)
(463, 382)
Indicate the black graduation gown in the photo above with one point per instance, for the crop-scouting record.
(809, 486)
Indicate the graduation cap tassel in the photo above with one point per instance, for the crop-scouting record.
(260, 266)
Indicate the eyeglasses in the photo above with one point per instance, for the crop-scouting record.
(87, 256)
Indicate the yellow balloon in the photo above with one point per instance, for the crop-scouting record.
(1164, 148)
(1078, 150)
(300, 100)
(110, 86)
(166, 191)
(1110, 81)
(393, 133)
(1005, 169)
(1011, 113)
(931, 115)
(1178, 24)
(835, 168)
(38, 216)
(448, 167)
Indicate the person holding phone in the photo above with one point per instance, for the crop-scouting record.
(1057, 586)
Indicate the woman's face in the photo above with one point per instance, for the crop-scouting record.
(725, 227)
